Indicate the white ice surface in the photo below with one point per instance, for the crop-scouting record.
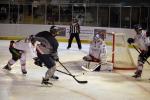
(116, 85)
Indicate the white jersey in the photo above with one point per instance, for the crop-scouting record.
(25, 46)
(21, 45)
(142, 41)
(98, 50)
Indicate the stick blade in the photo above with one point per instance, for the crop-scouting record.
(82, 82)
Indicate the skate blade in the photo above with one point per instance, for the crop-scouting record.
(47, 84)
(137, 78)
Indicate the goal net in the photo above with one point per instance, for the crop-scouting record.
(118, 52)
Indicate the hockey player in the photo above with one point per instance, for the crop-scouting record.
(143, 43)
(97, 51)
(46, 47)
(18, 50)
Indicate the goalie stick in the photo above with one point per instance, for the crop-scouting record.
(89, 70)
(81, 82)
(95, 68)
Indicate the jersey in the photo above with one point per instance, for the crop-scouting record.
(43, 46)
(74, 28)
(45, 43)
(98, 50)
(51, 39)
(22, 45)
(142, 41)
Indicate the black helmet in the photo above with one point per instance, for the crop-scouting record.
(54, 30)
(137, 27)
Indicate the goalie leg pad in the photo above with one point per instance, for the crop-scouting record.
(107, 67)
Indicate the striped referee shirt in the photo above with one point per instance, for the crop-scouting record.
(74, 28)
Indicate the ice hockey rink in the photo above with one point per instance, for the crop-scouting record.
(115, 85)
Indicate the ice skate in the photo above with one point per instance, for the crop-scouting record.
(7, 68)
(68, 48)
(24, 72)
(45, 82)
(55, 77)
(137, 74)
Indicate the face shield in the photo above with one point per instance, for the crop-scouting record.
(98, 39)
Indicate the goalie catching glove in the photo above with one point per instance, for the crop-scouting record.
(130, 40)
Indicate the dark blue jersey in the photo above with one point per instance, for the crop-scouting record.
(51, 39)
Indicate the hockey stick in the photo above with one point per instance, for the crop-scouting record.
(139, 53)
(69, 74)
(82, 82)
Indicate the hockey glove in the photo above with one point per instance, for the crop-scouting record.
(130, 40)
(56, 58)
(143, 56)
(37, 62)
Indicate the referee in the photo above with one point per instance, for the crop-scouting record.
(74, 32)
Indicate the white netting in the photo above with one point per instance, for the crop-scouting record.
(118, 51)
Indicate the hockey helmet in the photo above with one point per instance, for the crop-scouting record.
(54, 30)
(137, 27)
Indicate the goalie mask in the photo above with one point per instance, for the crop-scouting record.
(97, 38)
